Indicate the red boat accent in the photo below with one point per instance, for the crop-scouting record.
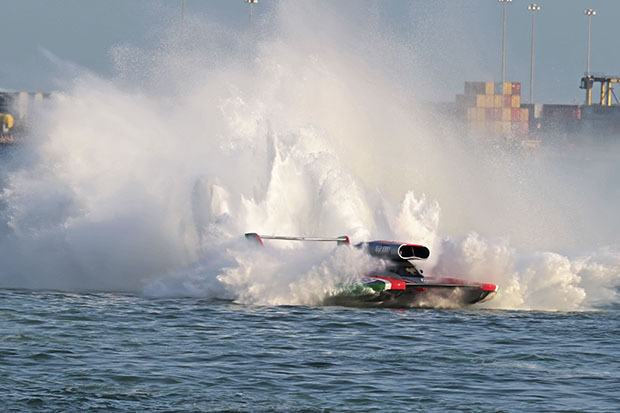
(346, 241)
(397, 284)
(488, 287)
(252, 236)
(420, 289)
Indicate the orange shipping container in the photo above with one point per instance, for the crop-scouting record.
(516, 101)
(489, 88)
(478, 114)
(498, 101)
(507, 88)
(490, 101)
(525, 115)
(506, 114)
(481, 101)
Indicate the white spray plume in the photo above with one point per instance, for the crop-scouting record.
(145, 182)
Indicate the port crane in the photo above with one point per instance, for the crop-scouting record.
(607, 88)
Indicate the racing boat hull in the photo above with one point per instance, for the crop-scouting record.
(415, 293)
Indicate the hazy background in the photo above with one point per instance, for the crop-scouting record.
(453, 40)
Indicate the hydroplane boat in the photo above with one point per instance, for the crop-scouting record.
(399, 283)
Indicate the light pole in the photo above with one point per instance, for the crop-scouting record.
(533, 8)
(589, 13)
(251, 3)
(504, 3)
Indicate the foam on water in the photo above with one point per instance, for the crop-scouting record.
(145, 182)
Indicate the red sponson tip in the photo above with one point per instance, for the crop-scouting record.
(488, 287)
(396, 283)
(399, 285)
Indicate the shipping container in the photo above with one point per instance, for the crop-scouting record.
(479, 114)
(489, 88)
(527, 109)
(559, 119)
(481, 101)
(516, 114)
(471, 114)
(520, 129)
(490, 101)
(497, 113)
(516, 89)
(498, 101)
(516, 101)
(477, 127)
(507, 101)
(499, 87)
(525, 115)
(561, 112)
(474, 88)
(465, 101)
(506, 128)
(506, 114)
(498, 127)
(507, 88)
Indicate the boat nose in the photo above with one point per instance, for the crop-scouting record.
(492, 288)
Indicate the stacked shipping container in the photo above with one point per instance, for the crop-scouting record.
(494, 109)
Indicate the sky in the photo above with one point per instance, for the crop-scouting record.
(454, 40)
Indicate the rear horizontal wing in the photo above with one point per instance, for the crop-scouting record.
(253, 236)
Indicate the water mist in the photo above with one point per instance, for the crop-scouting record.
(146, 181)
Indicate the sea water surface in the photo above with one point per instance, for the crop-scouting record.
(117, 352)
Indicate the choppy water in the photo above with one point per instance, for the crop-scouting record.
(114, 352)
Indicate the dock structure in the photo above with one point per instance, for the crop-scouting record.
(607, 96)
(15, 111)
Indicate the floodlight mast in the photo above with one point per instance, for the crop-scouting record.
(504, 4)
(251, 4)
(589, 14)
(533, 8)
